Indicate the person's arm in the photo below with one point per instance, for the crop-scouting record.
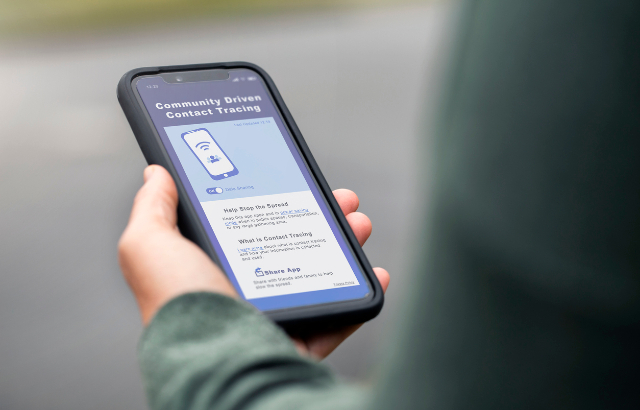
(205, 348)
(208, 351)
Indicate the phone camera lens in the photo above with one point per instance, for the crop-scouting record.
(179, 79)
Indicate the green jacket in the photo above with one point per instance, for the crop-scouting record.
(528, 293)
(207, 351)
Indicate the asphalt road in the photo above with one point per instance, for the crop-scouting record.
(362, 86)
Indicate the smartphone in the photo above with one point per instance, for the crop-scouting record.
(251, 194)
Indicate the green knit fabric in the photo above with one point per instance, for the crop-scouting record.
(208, 351)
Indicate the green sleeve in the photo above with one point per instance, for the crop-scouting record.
(206, 351)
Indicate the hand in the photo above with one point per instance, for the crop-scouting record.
(160, 264)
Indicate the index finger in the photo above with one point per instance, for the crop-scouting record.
(347, 199)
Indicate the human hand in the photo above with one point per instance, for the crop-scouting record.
(160, 264)
(157, 261)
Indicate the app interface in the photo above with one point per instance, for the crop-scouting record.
(269, 224)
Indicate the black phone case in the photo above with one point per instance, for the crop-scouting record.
(294, 319)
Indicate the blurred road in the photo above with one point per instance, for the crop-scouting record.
(361, 84)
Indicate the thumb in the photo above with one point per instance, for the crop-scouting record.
(156, 202)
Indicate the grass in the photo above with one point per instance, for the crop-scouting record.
(45, 16)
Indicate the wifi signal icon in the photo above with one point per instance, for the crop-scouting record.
(204, 145)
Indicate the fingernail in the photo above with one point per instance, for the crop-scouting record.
(148, 172)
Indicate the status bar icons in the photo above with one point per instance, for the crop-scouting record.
(238, 79)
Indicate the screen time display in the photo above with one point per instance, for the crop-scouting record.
(269, 224)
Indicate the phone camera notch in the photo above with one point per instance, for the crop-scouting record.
(195, 76)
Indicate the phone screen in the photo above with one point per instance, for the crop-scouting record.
(268, 222)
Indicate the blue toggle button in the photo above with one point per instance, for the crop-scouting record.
(216, 190)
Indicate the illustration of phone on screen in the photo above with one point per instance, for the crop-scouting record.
(209, 153)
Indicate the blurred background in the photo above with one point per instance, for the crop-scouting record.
(361, 78)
